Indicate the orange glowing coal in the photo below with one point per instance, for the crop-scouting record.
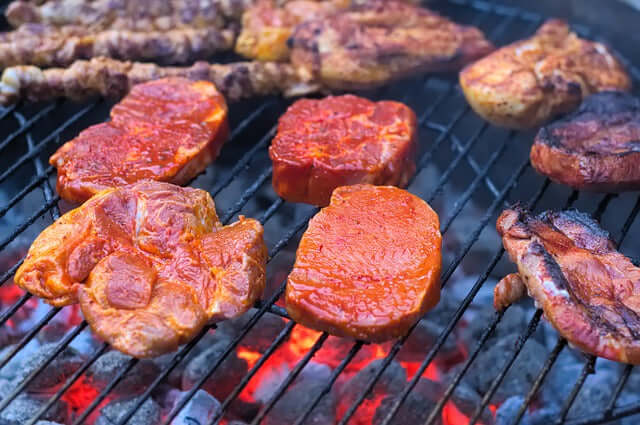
(80, 394)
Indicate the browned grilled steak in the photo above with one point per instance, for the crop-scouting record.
(595, 148)
(589, 291)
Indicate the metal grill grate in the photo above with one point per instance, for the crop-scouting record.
(485, 165)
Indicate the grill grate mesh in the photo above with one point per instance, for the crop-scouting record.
(473, 153)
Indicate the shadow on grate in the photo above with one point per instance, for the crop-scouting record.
(467, 170)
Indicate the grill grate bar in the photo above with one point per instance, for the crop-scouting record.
(68, 383)
(619, 387)
(40, 177)
(551, 359)
(282, 336)
(24, 126)
(248, 194)
(7, 314)
(21, 228)
(61, 346)
(271, 210)
(522, 339)
(40, 146)
(25, 339)
(290, 378)
(588, 369)
(332, 379)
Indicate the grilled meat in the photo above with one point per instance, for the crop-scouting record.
(338, 141)
(112, 78)
(372, 44)
(266, 26)
(509, 290)
(146, 15)
(524, 84)
(368, 266)
(166, 130)
(42, 46)
(589, 291)
(595, 148)
(149, 264)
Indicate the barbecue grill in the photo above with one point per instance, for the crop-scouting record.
(468, 171)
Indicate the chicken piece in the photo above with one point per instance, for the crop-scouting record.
(165, 130)
(589, 291)
(339, 141)
(526, 83)
(372, 44)
(266, 26)
(147, 15)
(595, 148)
(112, 78)
(35, 44)
(368, 266)
(149, 263)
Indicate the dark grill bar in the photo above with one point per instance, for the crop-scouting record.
(242, 183)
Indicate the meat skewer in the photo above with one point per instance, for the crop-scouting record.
(148, 15)
(34, 45)
(113, 79)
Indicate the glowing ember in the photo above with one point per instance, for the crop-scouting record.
(301, 340)
(452, 416)
(250, 356)
(431, 372)
(80, 394)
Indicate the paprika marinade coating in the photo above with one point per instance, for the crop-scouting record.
(166, 130)
(368, 266)
(342, 140)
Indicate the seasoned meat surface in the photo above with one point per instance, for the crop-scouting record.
(595, 148)
(266, 26)
(167, 130)
(526, 83)
(36, 44)
(113, 78)
(368, 266)
(371, 44)
(140, 15)
(149, 263)
(342, 140)
(589, 291)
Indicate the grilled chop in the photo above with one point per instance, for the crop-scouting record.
(589, 291)
(595, 148)
(371, 44)
(368, 266)
(149, 263)
(526, 83)
(342, 140)
(166, 130)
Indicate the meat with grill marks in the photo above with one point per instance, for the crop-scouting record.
(166, 130)
(140, 15)
(526, 83)
(113, 79)
(595, 148)
(588, 290)
(370, 44)
(35, 44)
(149, 263)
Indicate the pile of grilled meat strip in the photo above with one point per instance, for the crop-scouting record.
(149, 262)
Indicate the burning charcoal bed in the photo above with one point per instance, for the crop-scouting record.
(462, 363)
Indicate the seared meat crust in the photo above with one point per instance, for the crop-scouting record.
(524, 84)
(589, 291)
(595, 148)
(342, 140)
(139, 15)
(166, 130)
(368, 266)
(44, 46)
(112, 78)
(149, 264)
(369, 45)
